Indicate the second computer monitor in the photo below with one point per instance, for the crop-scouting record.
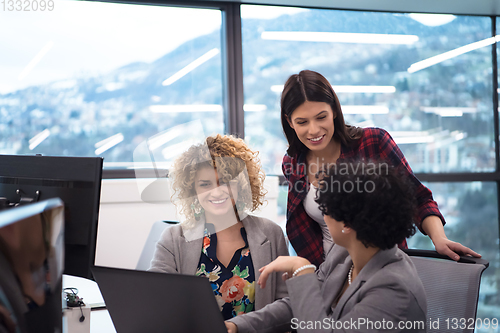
(76, 181)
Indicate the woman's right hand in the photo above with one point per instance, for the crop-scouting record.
(285, 264)
(231, 328)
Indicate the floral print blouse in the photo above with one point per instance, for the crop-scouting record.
(233, 286)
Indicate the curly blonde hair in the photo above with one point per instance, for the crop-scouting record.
(230, 155)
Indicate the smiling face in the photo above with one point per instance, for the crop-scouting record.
(216, 198)
(313, 124)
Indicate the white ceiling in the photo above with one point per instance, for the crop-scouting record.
(469, 7)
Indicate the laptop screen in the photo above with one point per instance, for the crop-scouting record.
(31, 266)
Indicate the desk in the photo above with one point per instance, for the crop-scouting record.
(100, 321)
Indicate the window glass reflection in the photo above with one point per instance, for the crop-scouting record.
(471, 213)
(93, 78)
(424, 78)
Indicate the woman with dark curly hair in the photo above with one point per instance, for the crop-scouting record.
(215, 184)
(366, 283)
(317, 135)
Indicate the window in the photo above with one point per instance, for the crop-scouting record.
(471, 213)
(427, 79)
(97, 79)
(424, 78)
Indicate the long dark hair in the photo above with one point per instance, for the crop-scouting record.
(313, 87)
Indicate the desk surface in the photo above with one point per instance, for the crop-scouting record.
(100, 321)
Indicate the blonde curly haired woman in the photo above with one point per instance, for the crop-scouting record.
(215, 184)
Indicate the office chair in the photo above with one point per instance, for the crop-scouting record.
(452, 289)
(149, 247)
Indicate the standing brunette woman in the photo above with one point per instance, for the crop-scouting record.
(318, 137)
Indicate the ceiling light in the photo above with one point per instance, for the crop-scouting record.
(35, 60)
(451, 54)
(339, 37)
(254, 107)
(432, 20)
(448, 111)
(364, 109)
(108, 143)
(365, 89)
(201, 60)
(174, 108)
(350, 89)
(39, 138)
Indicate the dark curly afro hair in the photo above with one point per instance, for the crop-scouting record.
(372, 198)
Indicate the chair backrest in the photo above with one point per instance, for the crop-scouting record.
(452, 290)
(150, 245)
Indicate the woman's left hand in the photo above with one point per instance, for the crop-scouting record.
(285, 264)
(452, 249)
(433, 226)
(231, 327)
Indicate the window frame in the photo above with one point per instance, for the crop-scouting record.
(233, 92)
(232, 71)
(232, 68)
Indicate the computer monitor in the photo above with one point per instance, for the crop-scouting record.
(76, 181)
(31, 266)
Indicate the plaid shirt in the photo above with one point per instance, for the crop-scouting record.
(303, 232)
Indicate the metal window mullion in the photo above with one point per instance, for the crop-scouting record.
(458, 177)
(232, 56)
(496, 124)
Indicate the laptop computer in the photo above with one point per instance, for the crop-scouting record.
(140, 301)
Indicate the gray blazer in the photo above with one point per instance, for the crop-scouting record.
(386, 289)
(179, 251)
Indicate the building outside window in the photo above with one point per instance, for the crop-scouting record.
(425, 78)
(97, 79)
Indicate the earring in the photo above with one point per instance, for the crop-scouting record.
(197, 209)
(240, 206)
(343, 231)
